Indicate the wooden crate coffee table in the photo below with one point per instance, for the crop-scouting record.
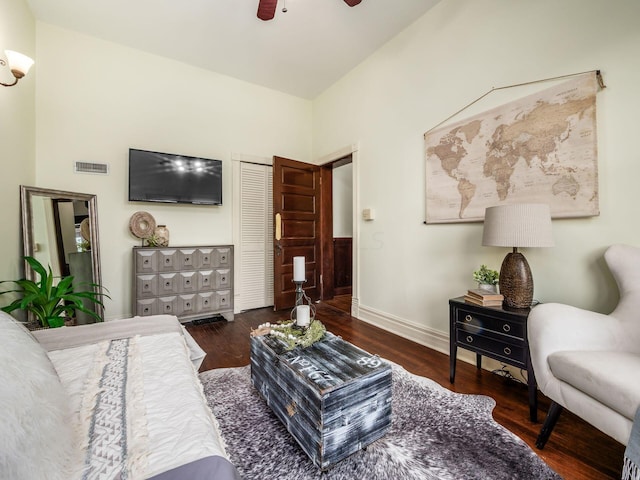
(333, 397)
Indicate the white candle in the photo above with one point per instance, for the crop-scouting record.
(302, 315)
(298, 269)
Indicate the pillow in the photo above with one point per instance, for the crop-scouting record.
(37, 438)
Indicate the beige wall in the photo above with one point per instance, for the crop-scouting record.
(451, 56)
(17, 127)
(114, 98)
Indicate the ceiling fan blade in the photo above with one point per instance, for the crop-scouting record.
(267, 9)
(352, 3)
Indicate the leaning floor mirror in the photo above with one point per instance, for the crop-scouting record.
(60, 229)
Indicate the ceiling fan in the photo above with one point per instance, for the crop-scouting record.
(267, 8)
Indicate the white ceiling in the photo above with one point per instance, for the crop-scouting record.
(301, 52)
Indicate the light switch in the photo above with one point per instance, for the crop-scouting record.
(368, 214)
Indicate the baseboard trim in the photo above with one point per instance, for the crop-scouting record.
(426, 336)
(429, 337)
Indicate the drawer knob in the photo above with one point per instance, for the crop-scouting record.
(223, 258)
(167, 261)
(507, 351)
(506, 327)
(468, 318)
(469, 339)
(224, 279)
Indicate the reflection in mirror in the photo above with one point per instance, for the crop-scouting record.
(60, 229)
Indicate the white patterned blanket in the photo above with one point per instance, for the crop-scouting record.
(140, 407)
(111, 453)
(631, 469)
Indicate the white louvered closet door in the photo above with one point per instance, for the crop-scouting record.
(256, 236)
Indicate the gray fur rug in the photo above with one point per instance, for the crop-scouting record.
(434, 434)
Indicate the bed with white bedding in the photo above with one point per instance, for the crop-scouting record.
(134, 401)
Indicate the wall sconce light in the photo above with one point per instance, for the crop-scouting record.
(19, 65)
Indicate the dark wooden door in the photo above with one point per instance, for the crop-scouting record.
(297, 232)
(342, 265)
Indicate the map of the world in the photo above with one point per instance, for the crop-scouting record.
(539, 149)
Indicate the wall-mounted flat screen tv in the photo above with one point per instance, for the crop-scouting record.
(171, 178)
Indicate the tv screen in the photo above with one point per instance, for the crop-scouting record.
(170, 178)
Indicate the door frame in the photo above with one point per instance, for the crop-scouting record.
(326, 163)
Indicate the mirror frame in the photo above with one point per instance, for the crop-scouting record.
(26, 195)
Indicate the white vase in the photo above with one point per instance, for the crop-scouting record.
(488, 287)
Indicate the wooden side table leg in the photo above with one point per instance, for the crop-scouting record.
(453, 351)
(478, 361)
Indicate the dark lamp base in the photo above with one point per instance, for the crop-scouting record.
(516, 281)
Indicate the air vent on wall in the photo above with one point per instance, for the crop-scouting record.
(87, 167)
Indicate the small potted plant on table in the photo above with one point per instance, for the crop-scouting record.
(50, 303)
(487, 279)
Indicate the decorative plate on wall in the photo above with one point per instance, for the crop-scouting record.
(142, 224)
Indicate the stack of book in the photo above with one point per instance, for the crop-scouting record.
(483, 297)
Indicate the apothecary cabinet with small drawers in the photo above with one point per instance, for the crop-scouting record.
(189, 282)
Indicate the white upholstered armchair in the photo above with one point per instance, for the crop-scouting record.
(587, 362)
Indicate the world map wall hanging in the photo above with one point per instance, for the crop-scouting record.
(541, 148)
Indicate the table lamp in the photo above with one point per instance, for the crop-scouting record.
(517, 225)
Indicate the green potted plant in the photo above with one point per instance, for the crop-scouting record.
(152, 240)
(48, 302)
(487, 278)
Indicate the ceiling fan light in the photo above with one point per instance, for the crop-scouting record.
(352, 3)
(267, 9)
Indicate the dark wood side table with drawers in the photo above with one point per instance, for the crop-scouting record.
(495, 332)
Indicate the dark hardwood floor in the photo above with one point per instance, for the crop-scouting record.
(575, 450)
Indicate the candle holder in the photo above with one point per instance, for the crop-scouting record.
(302, 299)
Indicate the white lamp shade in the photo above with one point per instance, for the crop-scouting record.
(518, 225)
(18, 63)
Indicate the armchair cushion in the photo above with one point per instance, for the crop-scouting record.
(599, 374)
